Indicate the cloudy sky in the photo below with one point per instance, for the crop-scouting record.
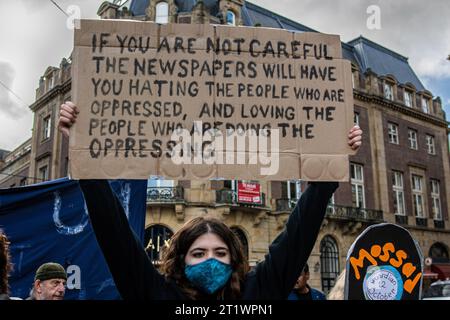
(34, 35)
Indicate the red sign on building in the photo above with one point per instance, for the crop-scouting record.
(249, 193)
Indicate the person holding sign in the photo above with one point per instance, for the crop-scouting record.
(204, 259)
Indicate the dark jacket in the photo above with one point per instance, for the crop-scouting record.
(137, 279)
(314, 294)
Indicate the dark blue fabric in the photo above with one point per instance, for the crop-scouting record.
(315, 295)
(49, 222)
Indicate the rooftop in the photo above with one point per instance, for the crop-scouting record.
(364, 53)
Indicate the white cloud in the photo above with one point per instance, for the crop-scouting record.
(436, 68)
(15, 132)
(10, 105)
(417, 29)
(33, 36)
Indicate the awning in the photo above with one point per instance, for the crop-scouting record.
(442, 269)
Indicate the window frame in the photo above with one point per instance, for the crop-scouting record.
(388, 91)
(357, 185)
(417, 193)
(356, 118)
(413, 143)
(393, 136)
(43, 177)
(233, 21)
(46, 127)
(399, 192)
(431, 144)
(162, 17)
(425, 105)
(408, 97)
(436, 206)
(329, 262)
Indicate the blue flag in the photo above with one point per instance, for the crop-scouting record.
(48, 222)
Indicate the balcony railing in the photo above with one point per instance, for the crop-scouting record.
(285, 204)
(439, 224)
(421, 222)
(352, 213)
(165, 194)
(401, 219)
(226, 196)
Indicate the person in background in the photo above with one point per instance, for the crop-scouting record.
(302, 291)
(49, 282)
(5, 266)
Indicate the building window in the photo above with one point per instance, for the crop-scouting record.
(231, 18)
(408, 96)
(292, 191)
(50, 82)
(162, 12)
(43, 173)
(357, 181)
(436, 200)
(389, 91)
(355, 78)
(431, 144)
(230, 185)
(393, 133)
(23, 182)
(399, 198)
(156, 238)
(329, 263)
(425, 105)
(46, 127)
(417, 190)
(438, 251)
(160, 183)
(412, 138)
(356, 118)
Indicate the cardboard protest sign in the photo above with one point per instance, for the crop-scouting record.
(202, 101)
(384, 263)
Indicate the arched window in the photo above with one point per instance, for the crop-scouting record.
(241, 235)
(231, 18)
(438, 252)
(329, 263)
(156, 238)
(162, 12)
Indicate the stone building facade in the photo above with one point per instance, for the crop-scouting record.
(401, 174)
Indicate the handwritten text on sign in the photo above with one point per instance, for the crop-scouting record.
(198, 101)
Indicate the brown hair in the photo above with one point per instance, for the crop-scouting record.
(173, 258)
(5, 264)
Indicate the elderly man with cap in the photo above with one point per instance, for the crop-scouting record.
(49, 282)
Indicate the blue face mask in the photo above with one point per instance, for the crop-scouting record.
(209, 275)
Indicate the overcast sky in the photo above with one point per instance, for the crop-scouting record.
(34, 35)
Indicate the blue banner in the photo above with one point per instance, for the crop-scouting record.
(48, 222)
